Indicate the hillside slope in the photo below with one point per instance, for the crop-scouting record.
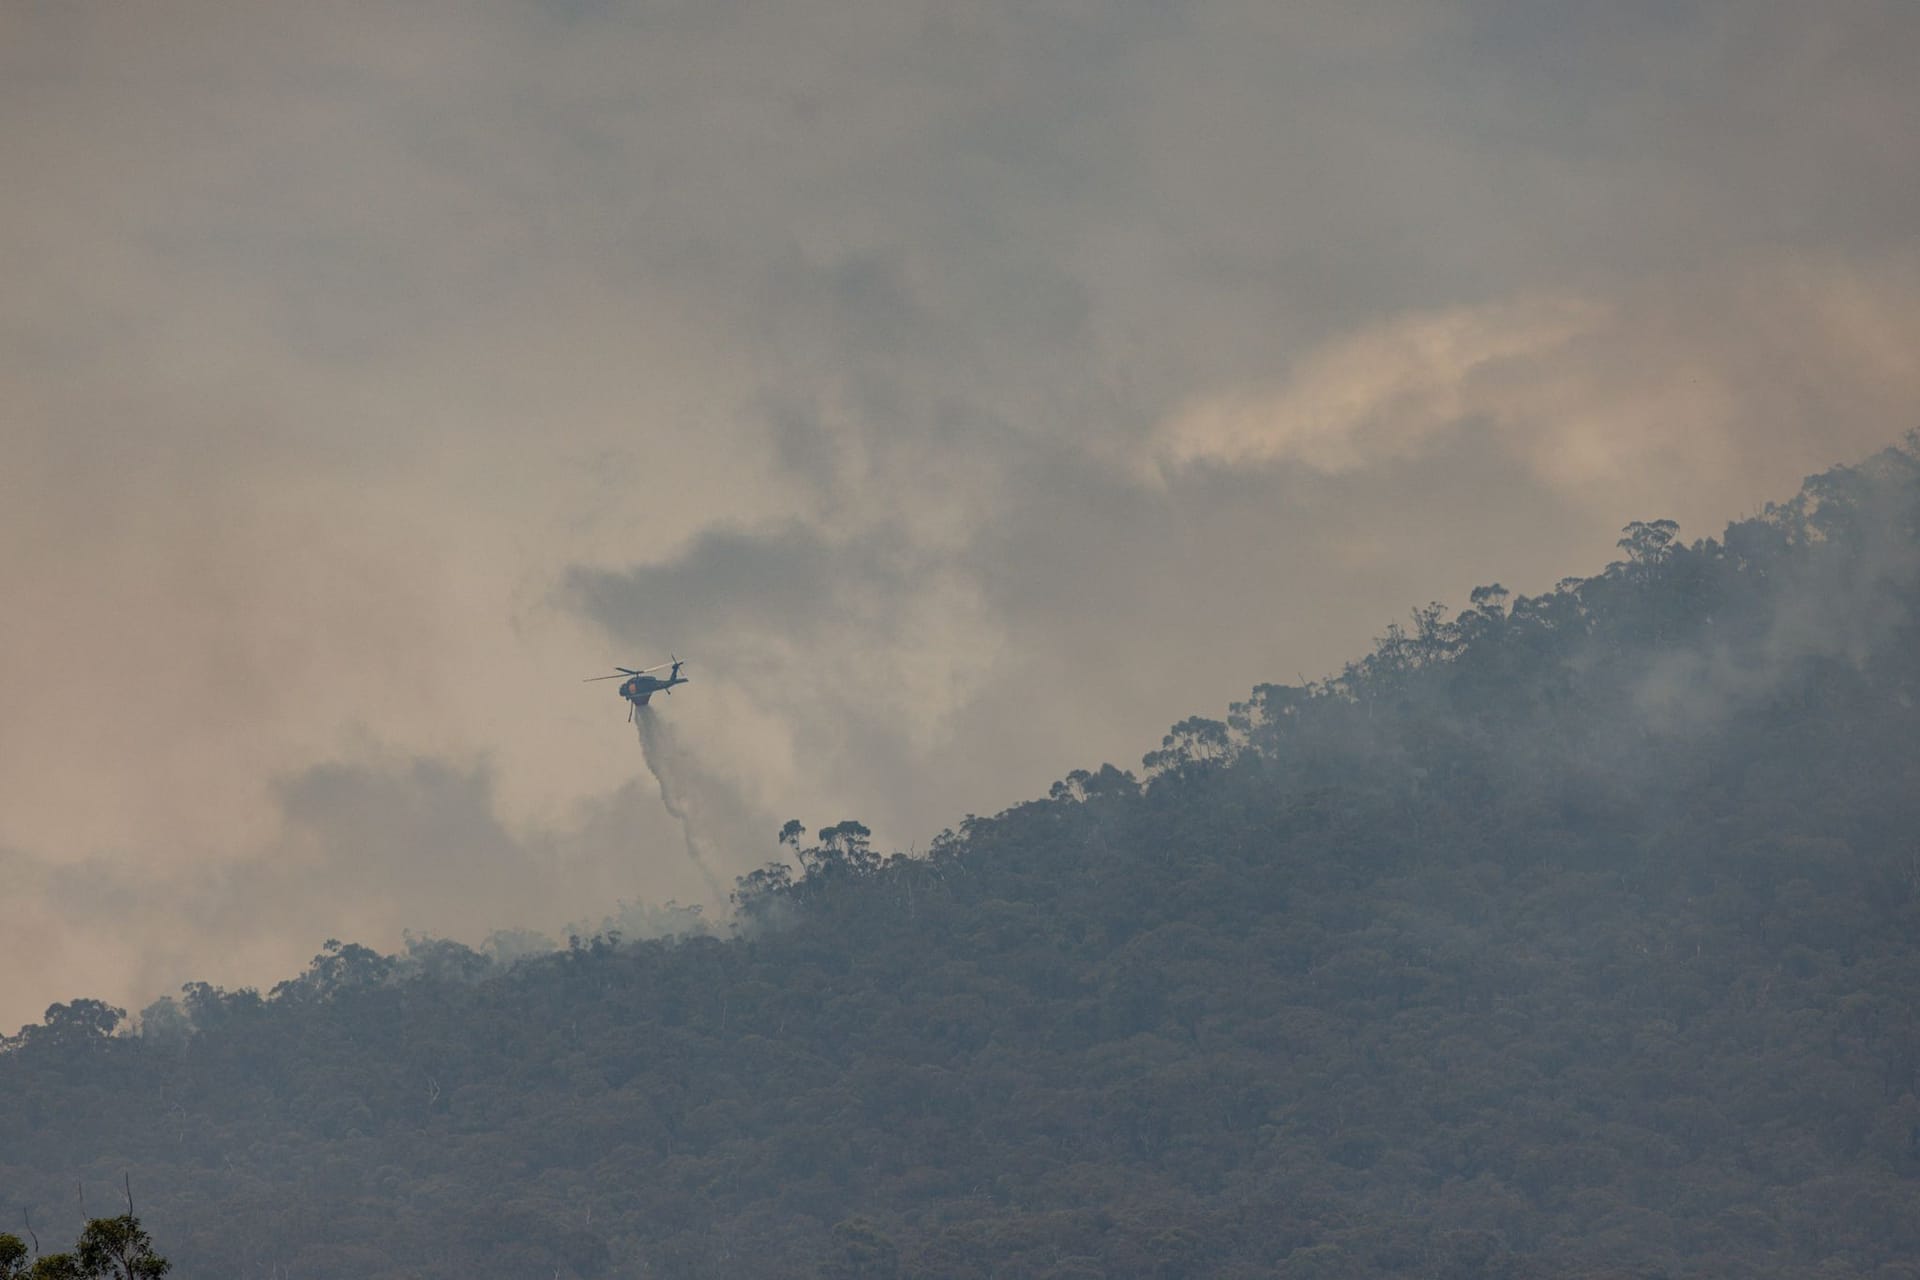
(1575, 935)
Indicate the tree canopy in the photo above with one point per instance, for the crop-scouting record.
(108, 1249)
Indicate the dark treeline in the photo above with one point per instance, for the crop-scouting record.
(1574, 935)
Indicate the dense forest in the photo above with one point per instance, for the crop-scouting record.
(1574, 934)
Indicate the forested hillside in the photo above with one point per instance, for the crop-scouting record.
(1574, 935)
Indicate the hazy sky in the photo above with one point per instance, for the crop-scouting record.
(969, 391)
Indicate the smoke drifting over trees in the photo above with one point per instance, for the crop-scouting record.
(1570, 934)
(937, 371)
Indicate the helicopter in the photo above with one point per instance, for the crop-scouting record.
(642, 684)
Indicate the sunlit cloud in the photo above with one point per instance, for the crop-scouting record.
(1384, 391)
(1690, 378)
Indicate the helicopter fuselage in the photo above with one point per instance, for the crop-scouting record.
(642, 685)
(638, 689)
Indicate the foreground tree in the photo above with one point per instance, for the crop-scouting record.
(119, 1249)
(108, 1249)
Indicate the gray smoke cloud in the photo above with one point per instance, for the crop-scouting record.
(376, 849)
(974, 393)
(1846, 606)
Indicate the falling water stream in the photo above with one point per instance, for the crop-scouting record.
(663, 757)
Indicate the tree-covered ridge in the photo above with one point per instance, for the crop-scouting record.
(1665, 642)
(1571, 935)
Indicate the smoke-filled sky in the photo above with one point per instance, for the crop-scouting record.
(969, 391)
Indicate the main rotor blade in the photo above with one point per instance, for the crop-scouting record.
(615, 676)
(642, 671)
